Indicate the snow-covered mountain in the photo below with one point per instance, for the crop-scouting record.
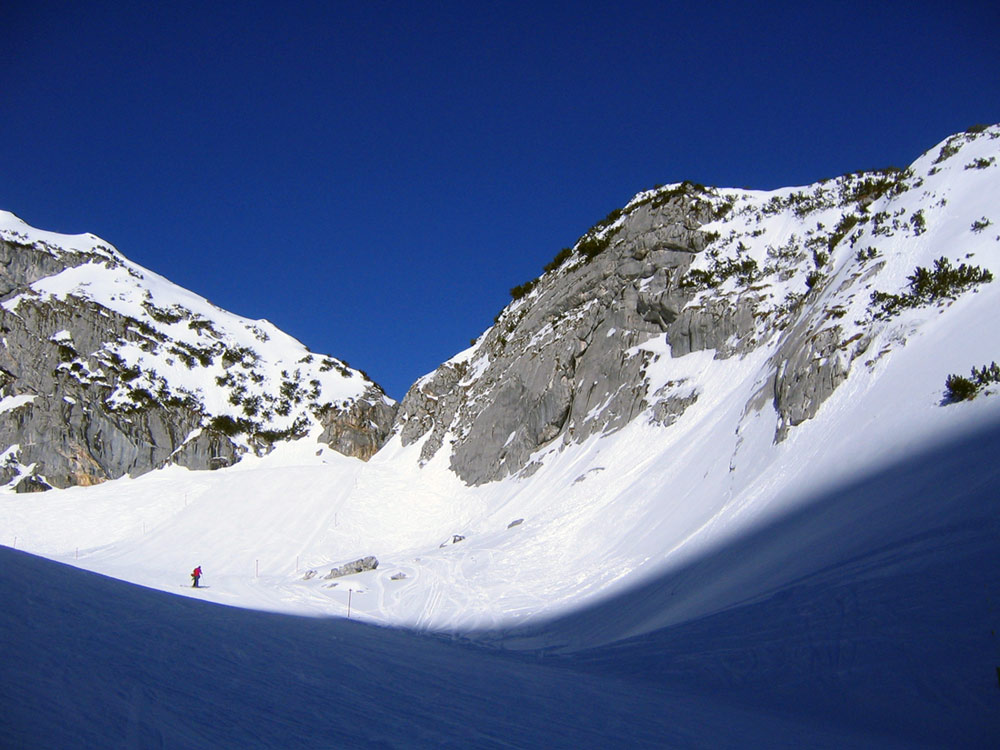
(794, 289)
(728, 467)
(109, 369)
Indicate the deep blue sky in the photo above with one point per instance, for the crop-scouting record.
(373, 177)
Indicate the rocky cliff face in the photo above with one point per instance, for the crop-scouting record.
(107, 369)
(793, 274)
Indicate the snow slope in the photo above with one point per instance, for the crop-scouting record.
(865, 618)
(694, 586)
(91, 662)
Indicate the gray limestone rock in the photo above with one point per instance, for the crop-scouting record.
(357, 566)
(561, 363)
(361, 428)
(85, 400)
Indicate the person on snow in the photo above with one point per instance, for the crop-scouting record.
(195, 576)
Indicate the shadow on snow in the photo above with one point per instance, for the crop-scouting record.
(867, 616)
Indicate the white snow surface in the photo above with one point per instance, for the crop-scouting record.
(690, 586)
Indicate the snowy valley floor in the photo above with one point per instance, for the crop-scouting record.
(866, 616)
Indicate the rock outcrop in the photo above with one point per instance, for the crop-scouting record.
(357, 566)
(561, 360)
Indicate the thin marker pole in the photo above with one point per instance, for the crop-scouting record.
(349, 592)
(256, 568)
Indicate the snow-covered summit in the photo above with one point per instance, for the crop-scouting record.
(130, 371)
(807, 282)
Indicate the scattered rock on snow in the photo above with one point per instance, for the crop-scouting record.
(397, 576)
(32, 484)
(515, 522)
(358, 566)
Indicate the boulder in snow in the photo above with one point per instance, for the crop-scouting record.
(358, 566)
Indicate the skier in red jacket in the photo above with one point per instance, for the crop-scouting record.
(195, 575)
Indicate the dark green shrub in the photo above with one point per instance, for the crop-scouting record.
(228, 426)
(944, 282)
(523, 289)
(243, 355)
(561, 257)
(981, 163)
(590, 247)
(251, 406)
(744, 270)
(845, 225)
(185, 401)
(162, 315)
(948, 150)
(958, 388)
(201, 325)
(607, 221)
(890, 180)
(143, 397)
(722, 209)
(298, 429)
(986, 375)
